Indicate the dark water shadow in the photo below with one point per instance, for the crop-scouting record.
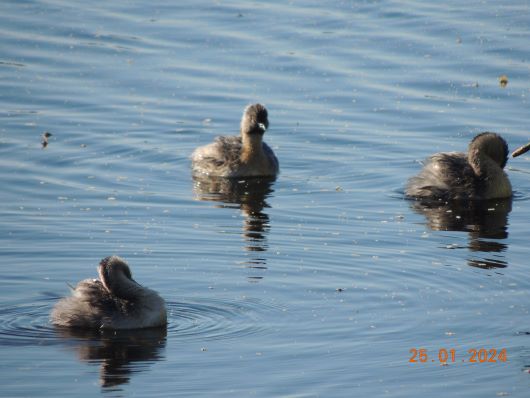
(250, 196)
(486, 222)
(119, 353)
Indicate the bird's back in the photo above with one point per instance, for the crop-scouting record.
(91, 306)
(85, 307)
(220, 158)
(446, 176)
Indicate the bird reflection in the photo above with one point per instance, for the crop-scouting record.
(485, 221)
(249, 195)
(120, 353)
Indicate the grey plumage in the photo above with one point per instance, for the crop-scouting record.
(115, 301)
(239, 156)
(477, 174)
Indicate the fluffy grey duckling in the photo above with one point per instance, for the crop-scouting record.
(115, 301)
(476, 175)
(239, 156)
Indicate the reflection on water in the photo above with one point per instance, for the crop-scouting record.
(250, 196)
(485, 221)
(119, 353)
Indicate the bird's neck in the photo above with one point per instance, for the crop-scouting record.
(495, 182)
(119, 285)
(483, 165)
(252, 147)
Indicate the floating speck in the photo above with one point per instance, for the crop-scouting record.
(503, 81)
(45, 137)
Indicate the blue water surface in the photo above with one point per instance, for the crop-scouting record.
(318, 284)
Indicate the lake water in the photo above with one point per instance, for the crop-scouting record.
(318, 284)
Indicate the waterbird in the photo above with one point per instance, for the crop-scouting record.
(114, 301)
(476, 175)
(245, 155)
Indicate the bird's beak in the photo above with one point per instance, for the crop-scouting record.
(262, 127)
(521, 150)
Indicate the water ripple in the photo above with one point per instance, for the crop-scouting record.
(214, 319)
(198, 319)
(27, 324)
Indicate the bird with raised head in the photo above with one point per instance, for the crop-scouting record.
(246, 155)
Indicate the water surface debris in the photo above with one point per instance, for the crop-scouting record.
(503, 81)
(521, 150)
(45, 137)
